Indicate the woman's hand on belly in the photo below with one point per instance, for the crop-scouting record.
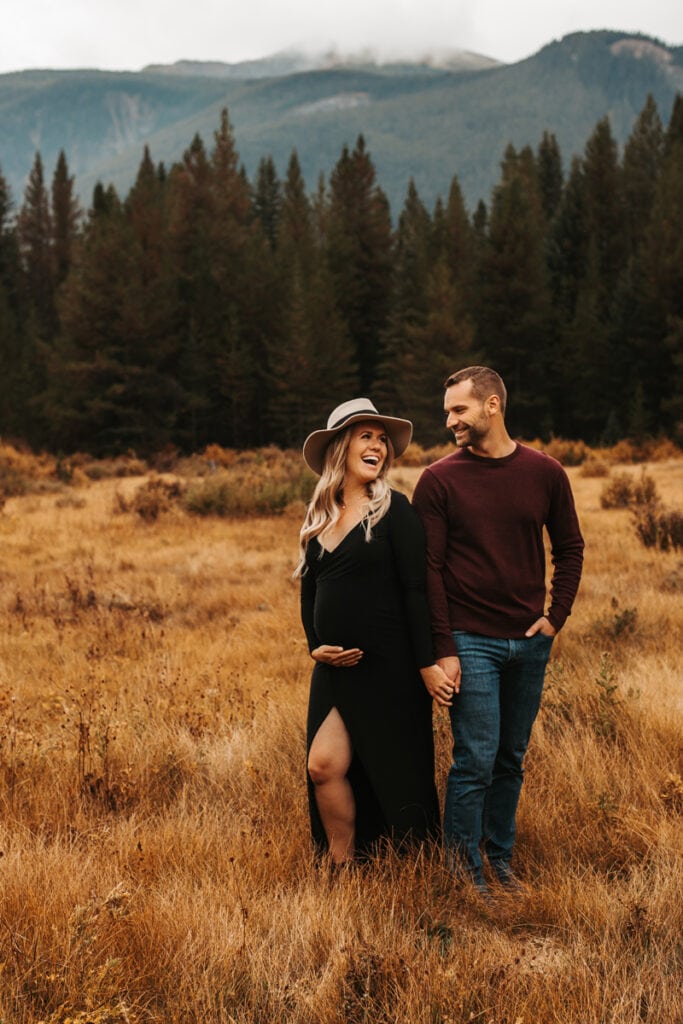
(338, 657)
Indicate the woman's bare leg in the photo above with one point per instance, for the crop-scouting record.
(329, 759)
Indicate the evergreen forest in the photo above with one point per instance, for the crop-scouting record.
(204, 307)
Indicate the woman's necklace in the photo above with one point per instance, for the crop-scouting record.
(355, 504)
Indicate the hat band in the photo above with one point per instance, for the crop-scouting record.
(356, 412)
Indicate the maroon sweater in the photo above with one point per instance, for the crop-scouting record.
(484, 521)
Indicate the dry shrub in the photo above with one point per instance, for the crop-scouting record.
(645, 490)
(70, 501)
(625, 451)
(277, 459)
(157, 495)
(577, 453)
(225, 458)
(568, 453)
(415, 456)
(241, 495)
(438, 451)
(265, 482)
(22, 472)
(650, 449)
(619, 625)
(658, 527)
(104, 469)
(166, 460)
(625, 491)
(595, 467)
(618, 493)
(673, 581)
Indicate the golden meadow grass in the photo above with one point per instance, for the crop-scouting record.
(156, 864)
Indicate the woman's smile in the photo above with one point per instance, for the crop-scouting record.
(367, 451)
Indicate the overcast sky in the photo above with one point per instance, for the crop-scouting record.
(127, 34)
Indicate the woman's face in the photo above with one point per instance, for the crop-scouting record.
(367, 452)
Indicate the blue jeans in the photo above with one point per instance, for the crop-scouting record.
(491, 719)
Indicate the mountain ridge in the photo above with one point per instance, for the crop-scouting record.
(294, 60)
(419, 121)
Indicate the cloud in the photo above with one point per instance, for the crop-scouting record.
(131, 33)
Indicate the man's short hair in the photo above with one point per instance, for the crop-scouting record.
(485, 382)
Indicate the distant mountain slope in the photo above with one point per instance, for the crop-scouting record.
(418, 120)
(289, 62)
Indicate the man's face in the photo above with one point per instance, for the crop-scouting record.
(465, 415)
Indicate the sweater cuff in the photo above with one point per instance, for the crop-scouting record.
(444, 647)
(557, 618)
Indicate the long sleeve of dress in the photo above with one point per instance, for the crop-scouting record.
(307, 606)
(408, 544)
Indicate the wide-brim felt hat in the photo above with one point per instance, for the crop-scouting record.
(355, 411)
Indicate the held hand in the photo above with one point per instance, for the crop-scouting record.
(439, 686)
(543, 626)
(451, 666)
(338, 657)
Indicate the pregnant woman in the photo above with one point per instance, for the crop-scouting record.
(365, 614)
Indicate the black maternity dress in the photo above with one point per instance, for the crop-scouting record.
(372, 595)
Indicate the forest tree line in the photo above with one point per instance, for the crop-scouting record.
(205, 307)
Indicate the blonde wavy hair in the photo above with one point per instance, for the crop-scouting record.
(324, 508)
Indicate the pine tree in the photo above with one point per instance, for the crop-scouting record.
(430, 330)
(106, 392)
(462, 252)
(434, 347)
(309, 356)
(34, 232)
(480, 219)
(603, 199)
(567, 244)
(221, 299)
(298, 241)
(604, 206)
(590, 409)
(358, 232)
(515, 324)
(550, 175)
(412, 260)
(242, 272)
(458, 239)
(65, 216)
(34, 236)
(14, 372)
(641, 165)
(86, 399)
(311, 366)
(631, 319)
(654, 320)
(267, 200)
(674, 130)
(153, 383)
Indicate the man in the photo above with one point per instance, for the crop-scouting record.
(484, 508)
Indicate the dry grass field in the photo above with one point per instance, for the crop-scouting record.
(155, 859)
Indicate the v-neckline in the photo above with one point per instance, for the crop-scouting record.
(331, 551)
